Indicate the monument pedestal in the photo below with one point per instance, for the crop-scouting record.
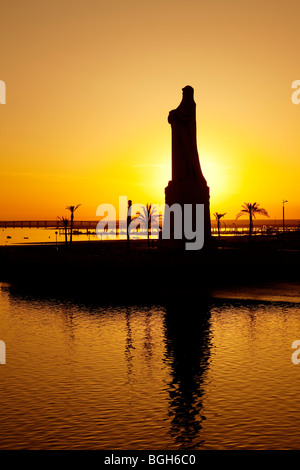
(187, 192)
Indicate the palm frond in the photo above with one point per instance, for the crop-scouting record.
(252, 210)
(148, 215)
(65, 221)
(263, 212)
(218, 216)
(243, 212)
(73, 208)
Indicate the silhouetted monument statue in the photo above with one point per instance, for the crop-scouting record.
(188, 185)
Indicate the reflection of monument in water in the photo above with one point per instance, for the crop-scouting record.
(188, 353)
(188, 185)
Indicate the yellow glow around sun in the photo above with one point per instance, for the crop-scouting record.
(218, 178)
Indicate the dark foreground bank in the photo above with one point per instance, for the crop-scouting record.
(110, 269)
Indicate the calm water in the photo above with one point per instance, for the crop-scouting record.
(190, 374)
(16, 236)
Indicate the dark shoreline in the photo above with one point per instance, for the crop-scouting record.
(109, 271)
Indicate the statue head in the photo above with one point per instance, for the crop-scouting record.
(188, 93)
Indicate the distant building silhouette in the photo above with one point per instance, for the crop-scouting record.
(188, 185)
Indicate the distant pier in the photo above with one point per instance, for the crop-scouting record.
(229, 227)
(77, 224)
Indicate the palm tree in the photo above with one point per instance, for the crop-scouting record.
(251, 210)
(72, 209)
(147, 217)
(65, 221)
(218, 217)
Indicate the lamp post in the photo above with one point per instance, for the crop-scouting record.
(283, 202)
(128, 222)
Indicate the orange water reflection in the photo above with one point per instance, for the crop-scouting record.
(214, 374)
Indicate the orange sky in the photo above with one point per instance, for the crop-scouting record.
(90, 84)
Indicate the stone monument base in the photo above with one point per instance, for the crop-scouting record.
(188, 193)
